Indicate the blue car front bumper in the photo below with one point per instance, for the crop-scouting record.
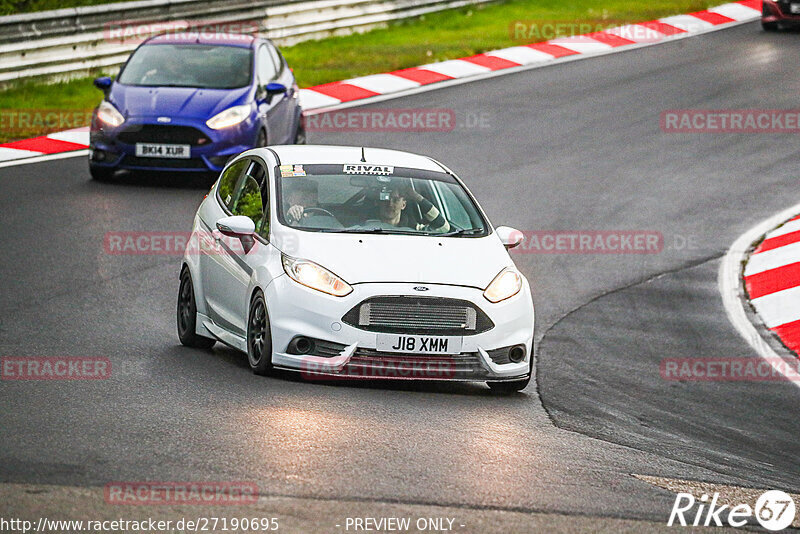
(115, 148)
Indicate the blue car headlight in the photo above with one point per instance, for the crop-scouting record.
(229, 117)
(109, 115)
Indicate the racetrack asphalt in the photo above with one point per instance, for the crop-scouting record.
(571, 147)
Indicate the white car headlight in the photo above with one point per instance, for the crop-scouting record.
(316, 277)
(108, 114)
(229, 117)
(505, 285)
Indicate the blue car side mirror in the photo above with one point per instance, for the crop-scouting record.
(275, 88)
(103, 83)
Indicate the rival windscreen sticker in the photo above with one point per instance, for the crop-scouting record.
(368, 169)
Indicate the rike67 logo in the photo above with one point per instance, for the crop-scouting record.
(774, 510)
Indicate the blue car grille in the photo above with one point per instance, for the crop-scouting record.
(157, 133)
(164, 163)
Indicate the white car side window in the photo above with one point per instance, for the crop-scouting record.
(228, 181)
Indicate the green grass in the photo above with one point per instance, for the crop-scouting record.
(408, 43)
(12, 7)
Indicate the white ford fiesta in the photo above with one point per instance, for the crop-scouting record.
(356, 263)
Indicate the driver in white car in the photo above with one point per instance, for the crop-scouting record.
(302, 195)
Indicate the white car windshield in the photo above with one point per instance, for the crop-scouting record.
(364, 198)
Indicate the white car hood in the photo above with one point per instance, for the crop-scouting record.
(363, 258)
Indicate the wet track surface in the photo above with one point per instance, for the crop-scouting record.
(569, 147)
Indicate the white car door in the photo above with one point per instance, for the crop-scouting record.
(228, 268)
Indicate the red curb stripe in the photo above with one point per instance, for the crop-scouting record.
(778, 242)
(553, 50)
(45, 145)
(421, 76)
(714, 18)
(491, 62)
(666, 29)
(772, 281)
(790, 335)
(343, 91)
(610, 39)
(752, 4)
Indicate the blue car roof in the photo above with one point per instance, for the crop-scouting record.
(227, 39)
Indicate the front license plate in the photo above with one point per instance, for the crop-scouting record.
(419, 344)
(153, 150)
(794, 8)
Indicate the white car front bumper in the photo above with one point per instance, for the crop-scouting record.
(350, 350)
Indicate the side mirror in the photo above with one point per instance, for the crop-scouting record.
(104, 83)
(236, 226)
(266, 92)
(275, 88)
(510, 237)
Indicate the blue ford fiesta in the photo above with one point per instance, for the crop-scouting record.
(187, 102)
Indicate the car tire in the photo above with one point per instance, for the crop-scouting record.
(101, 174)
(259, 338)
(511, 386)
(769, 26)
(187, 316)
(300, 134)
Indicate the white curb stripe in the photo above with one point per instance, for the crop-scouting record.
(779, 308)
(733, 11)
(788, 228)
(78, 135)
(7, 154)
(581, 44)
(43, 157)
(455, 68)
(382, 83)
(311, 99)
(687, 23)
(521, 55)
(773, 259)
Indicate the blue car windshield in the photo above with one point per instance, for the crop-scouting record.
(189, 65)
